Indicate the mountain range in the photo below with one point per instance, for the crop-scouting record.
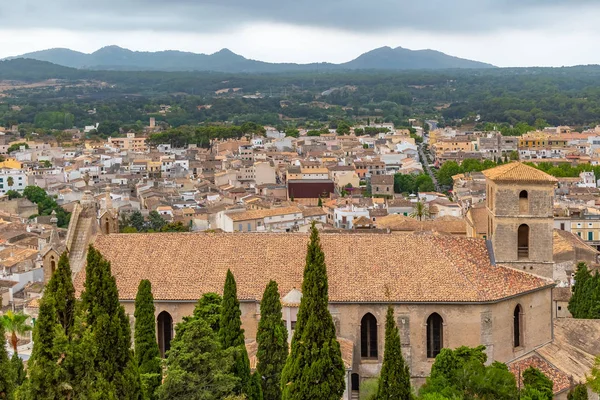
(117, 58)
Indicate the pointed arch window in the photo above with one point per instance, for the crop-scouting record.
(435, 335)
(368, 336)
(517, 326)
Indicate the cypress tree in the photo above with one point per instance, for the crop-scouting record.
(43, 365)
(394, 382)
(209, 309)
(60, 287)
(579, 392)
(110, 328)
(198, 367)
(579, 302)
(314, 369)
(146, 348)
(6, 370)
(231, 335)
(272, 343)
(18, 369)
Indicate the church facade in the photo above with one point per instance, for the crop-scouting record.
(446, 291)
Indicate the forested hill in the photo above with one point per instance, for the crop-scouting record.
(502, 97)
(117, 58)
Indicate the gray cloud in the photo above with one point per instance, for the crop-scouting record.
(455, 16)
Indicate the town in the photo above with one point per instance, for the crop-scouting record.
(476, 237)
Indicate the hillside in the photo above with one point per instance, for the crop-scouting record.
(117, 58)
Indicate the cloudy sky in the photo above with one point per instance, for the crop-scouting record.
(501, 32)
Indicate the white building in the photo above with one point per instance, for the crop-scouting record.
(344, 217)
(12, 179)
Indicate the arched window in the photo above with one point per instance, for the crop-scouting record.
(435, 335)
(523, 202)
(523, 241)
(107, 226)
(517, 331)
(368, 336)
(52, 265)
(165, 332)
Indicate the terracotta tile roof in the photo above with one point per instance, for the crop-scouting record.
(565, 242)
(362, 267)
(258, 214)
(518, 172)
(448, 224)
(561, 379)
(382, 180)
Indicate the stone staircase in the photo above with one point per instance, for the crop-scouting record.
(355, 395)
(80, 242)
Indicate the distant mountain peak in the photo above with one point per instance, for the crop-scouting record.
(117, 58)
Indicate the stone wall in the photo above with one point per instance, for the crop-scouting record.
(464, 325)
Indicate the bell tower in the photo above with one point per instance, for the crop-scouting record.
(520, 222)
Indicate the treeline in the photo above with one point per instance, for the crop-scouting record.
(202, 135)
(534, 97)
(451, 168)
(565, 170)
(135, 223)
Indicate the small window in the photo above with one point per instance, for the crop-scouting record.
(517, 331)
(523, 202)
(240, 227)
(523, 241)
(559, 308)
(590, 235)
(562, 226)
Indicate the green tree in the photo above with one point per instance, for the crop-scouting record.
(447, 171)
(315, 352)
(580, 302)
(198, 367)
(13, 194)
(424, 183)
(272, 338)
(16, 147)
(404, 183)
(231, 336)
(7, 378)
(579, 392)
(18, 369)
(394, 381)
(462, 373)
(136, 220)
(10, 181)
(61, 288)
(109, 325)
(16, 325)
(146, 348)
(420, 211)
(209, 308)
(43, 367)
(535, 380)
(156, 221)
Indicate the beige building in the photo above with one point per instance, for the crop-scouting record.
(130, 142)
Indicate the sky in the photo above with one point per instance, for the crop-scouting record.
(501, 32)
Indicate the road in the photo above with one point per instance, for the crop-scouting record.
(428, 168)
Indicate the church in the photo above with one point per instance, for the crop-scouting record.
(447, 291)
